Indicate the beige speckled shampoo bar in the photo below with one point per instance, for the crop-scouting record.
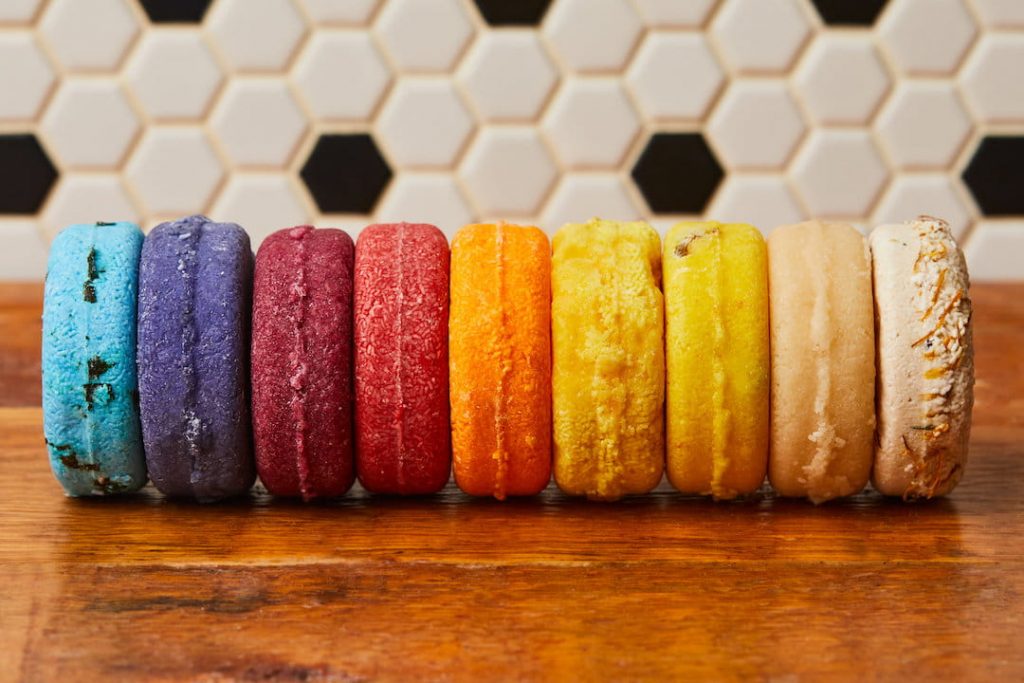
(925, 359)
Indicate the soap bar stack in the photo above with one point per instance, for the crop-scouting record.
(607, 358)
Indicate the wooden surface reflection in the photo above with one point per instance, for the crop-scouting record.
(448, 587)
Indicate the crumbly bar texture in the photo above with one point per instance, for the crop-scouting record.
(194, 307)
(716, 341)
(302, 394)
(90, 387)
(500, 359)
(607, 333)
(401, 359)
(823, 360)
(925, 359)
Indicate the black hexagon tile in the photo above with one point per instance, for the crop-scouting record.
(849, 12)
(995, 176)
(346, 173)
(175, 11)
(26, 174)
(513, 12)
(677, 173)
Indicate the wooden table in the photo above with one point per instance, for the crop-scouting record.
(452, 588)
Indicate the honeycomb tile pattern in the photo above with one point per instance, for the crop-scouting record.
(347, 112)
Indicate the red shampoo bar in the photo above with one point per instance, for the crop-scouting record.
(403, 442)
(302, 399)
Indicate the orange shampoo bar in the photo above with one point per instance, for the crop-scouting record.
(500, 360)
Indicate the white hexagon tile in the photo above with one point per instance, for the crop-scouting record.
(340, 12)
(508, 75)
(842, 79)
(1000, 13)
(927, 36)
(593, 35)
(927, 194)
(756, 125)
(174, 171)
(430, 197)
(924, 124)
(675, 75)
(258, 122)
(424, 123)
(582, 196)
(89, 35)
(761, 36)
(508, 171)
(14, 12)
(591, 123)
(839, 173)
(256, 35)
(262, 202)
(991, 78)
(341, 75)
(763, 200)
(24, 254)
(26, 76)
(424, 35)
(347, 112)
(994, 252)
(90, 123)
(675, 13)
(173, 74)
(86, 198)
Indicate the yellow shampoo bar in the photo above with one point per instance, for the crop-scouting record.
(716, 345)
(609, 363)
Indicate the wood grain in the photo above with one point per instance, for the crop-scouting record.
(21, 327)
(450, 588)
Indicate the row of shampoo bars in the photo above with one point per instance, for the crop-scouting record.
(606, 356)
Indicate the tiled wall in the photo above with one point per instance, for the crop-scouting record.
(342, 112)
